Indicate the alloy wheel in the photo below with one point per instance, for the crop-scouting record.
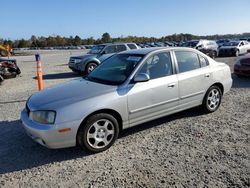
(91, 68)
(213, 99)
(100, 133)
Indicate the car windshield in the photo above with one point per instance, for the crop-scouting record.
(231, 44)
(96, 49)
(116, 69)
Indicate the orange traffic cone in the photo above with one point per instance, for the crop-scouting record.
(39, 72)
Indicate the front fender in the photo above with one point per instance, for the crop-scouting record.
(84, 63)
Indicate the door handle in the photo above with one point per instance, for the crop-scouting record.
(171, 85)
(207, 75)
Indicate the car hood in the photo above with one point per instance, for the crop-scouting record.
(84, 57)
(68, 93)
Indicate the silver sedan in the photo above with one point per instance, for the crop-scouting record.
(127, 89)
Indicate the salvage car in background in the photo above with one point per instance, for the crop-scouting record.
(242, 66)
(86, 63)
(127, 89)
(234, 48)
(208, 47)
(8, 68)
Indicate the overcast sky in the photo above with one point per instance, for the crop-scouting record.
(86, 18)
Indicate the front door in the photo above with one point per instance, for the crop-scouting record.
(156, 97)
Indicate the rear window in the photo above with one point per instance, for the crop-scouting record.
(203, 61)
(131, 46)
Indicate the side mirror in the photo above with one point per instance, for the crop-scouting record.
(141, 77)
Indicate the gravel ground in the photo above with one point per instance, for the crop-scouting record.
(188, 149)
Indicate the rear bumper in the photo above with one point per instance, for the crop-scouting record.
(49, 135)
(228, 85)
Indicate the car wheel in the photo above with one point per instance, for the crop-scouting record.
(18, 71)
(214, 54)
(99, 133)
(212, 99)
(90, 67)
(237, 53)
(1, 79)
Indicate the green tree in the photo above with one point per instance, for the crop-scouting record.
(23, 44)
(77, 40)
(106, 38)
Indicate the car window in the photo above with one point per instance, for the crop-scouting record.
(158, 65)
(110, 49)
(203, 61)
(120, 48)
(187, 61)
(116, 69)
(131, 46)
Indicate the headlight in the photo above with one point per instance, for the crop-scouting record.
(78, 60)
(44, 117)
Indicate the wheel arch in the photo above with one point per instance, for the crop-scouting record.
(114, 113)
(92, 60)
(220, 85)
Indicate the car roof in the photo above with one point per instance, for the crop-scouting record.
(116, 43)
(145, 51)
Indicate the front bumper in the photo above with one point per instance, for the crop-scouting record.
(76, 67)
(49, 135)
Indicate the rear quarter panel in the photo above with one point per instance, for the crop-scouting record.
(222, 74)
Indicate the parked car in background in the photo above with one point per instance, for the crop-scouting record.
(242, 66)
(169, 43)
(220, 42)
(127, 89)
(247, 39)
(87, 63)
(234, 48)
(208, 47)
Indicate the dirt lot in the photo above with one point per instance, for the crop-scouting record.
(188, 149)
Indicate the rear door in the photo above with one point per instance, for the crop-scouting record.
(194, 77)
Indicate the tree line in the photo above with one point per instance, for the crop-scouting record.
(58, 40)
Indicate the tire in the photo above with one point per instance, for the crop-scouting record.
(98, 133)
(212, 99)
(237, 53)
(214, 54)
(3, 53)
(90, 67)
(1, 79)
(18, 71)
